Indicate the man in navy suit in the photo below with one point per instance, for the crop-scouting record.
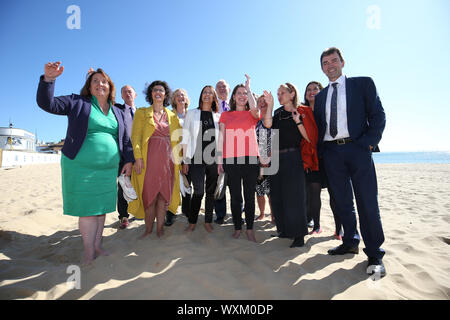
(351, 120)
(129, 109)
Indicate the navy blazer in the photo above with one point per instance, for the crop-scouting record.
(78, 110)
(365, 114)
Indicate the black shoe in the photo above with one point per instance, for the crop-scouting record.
(218, 221)
(311, 224)
(280, 235)
(170, 219)
(376, 268)
(298, 242)
(343, 250)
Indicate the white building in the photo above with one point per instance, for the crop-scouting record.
(18, 147)
(16, 139)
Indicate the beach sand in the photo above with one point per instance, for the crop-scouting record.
(40, 249)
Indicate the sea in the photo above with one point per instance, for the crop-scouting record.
(412, 157)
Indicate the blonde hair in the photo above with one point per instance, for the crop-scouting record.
(174, 103)
(291, 88)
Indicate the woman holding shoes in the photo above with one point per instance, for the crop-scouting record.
(180, 104)
(200, 136)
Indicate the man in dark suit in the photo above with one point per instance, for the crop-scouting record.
(351, 120)
(129, 108)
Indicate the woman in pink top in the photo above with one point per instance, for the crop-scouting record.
(238, 152)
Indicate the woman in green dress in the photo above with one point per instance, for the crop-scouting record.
(96, 139)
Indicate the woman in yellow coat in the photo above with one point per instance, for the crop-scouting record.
(155, 136)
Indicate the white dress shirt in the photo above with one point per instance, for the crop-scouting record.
(342, 128)
(133, 109)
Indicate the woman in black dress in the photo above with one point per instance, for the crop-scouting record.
(288, 184)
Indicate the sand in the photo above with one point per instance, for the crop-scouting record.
(41, 249)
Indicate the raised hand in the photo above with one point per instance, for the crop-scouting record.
(52, 70)
(268, 97)
(247, 82)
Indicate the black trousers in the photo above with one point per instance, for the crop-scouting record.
(186, 200)
(122, 204)
(242, 175)
(288, 196)
(197, 173)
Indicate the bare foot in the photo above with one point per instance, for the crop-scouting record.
(250, 235)
(208, 227)
(147, 232)
(261, 216)
(87, 265)
(236, 234)
(101, 252)
(88, 259)
(190, 228)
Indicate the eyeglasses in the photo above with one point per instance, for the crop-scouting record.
(158, 90)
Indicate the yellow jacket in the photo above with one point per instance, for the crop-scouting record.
(143, 129)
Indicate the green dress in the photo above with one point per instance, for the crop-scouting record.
(89, 182)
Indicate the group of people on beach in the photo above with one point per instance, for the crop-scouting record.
(288, 155)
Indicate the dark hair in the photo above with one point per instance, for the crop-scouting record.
(215, 103)
(86, 90)
(233, 102)
(149, 89)
(330, 51)
(305, 101)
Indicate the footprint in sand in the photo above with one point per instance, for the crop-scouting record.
(26, 213)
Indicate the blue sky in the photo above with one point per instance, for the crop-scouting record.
(403, 45)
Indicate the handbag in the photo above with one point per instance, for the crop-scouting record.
(221, 186)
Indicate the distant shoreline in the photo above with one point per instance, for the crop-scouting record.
(412, 157)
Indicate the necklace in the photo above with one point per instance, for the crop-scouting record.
(155, 115)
